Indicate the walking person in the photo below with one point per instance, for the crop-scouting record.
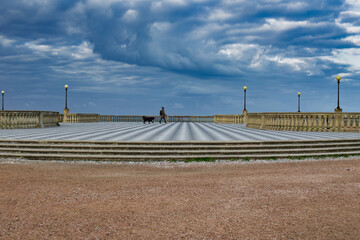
(162, 114)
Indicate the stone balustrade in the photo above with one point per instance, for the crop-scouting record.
(312, 122)
(28, 119)
(230, 119)
(132, 118)
(79, 117)
(316, 122)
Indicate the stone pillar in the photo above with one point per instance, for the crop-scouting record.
(40, 123)
(262, 122)
(338, 123)
(66, 112)
(245, 118)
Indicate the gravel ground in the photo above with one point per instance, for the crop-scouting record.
(262, 200)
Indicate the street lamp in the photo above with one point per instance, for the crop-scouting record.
(245, 98)
(2, 93)
(66, 88)
(298, 101)
(338, 109)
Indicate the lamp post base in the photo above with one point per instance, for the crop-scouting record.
(338, 110)
(66, 112)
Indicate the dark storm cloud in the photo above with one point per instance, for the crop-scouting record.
(180, 36)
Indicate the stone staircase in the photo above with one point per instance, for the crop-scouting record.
(174, 151)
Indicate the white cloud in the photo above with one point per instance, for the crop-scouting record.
(84, 50)
(237, 50)
(219, 15)
(282, 24)
(349, 27)
(6, 42)
(355, 4)
(160, 27)
(297, 64)
(162, 5)
(102, 3)
(130, 15)
(353, 12)
(297, 5)
(81, 51)
(349, 56)
(353, 39)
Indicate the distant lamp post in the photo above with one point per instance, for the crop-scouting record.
(2, 93)
(298, 101)
(245, 111)
(66, 89)
(245, 98)
(338, 109)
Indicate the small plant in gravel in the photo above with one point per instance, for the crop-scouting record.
(204, 159)
(246, 159)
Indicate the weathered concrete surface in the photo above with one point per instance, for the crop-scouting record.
(291, 200)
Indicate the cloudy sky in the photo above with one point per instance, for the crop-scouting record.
(191, 56)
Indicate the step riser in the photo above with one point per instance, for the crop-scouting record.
(157, 148)
(200, 152)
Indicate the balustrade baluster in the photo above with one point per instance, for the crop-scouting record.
(348, 125)
(310, 123)
(296, 122)
(292, 123)
(305, 123)
(342, 123)
(321, 123)
(331, 123)
(354, 125)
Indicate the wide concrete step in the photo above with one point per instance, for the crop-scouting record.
(176, 143)
(175, 147)
(179, 146)
(160, 151)
(176, 151)
(167, 157)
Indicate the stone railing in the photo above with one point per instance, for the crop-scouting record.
(314, 122)
(28, 119)
(230, 119)
(132, 118)
(79, 117)
(190, 118)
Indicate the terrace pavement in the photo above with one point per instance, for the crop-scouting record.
(179, 131)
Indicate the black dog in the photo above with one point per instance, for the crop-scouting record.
(148, 119)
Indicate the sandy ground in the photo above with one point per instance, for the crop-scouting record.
(281, 200)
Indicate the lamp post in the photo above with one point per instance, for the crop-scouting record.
(2, 93)
(338, 109)
(298, 101)
(245, 98)
(66, 88)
